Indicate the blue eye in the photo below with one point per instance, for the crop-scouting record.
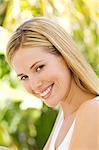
(39, 68)
(24, 77)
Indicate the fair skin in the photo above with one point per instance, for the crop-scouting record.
(50, 80)
(50, 71)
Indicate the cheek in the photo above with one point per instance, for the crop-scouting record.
(57, 73)
(65, 79)
(27, 88)
(50, 75)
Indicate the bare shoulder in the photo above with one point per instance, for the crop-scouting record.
(90, 106)
(88, 113)
(86, 128)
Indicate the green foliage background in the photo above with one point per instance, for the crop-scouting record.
(24, 125)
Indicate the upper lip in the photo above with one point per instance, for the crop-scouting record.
(39, 92)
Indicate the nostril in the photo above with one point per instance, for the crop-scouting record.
(39, 83)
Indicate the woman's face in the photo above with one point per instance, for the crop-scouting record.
(43, 74)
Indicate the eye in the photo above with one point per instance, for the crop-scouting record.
(38, 69)
(24, 77)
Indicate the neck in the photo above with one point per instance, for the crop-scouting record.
(74, 99)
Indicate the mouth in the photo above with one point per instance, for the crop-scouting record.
(46, 93)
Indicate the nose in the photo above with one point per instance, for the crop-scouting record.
(35, 84)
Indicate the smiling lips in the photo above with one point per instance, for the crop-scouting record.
(46, 93)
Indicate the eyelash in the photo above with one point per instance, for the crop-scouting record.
(22, 78)
(39, 67)
(25, 76)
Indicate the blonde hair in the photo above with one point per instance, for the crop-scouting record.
(44, 32)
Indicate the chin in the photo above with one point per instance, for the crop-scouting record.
(51, 104)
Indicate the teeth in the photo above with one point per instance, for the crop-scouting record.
(46, 92)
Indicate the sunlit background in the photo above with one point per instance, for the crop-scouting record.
(25, 122)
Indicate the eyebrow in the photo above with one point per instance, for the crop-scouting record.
(29, 67)
(20, 74)
(34, 64)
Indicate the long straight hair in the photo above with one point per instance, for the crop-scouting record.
(43, 32)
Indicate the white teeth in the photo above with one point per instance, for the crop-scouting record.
(46, 92)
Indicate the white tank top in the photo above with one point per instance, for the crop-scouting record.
(65, 144)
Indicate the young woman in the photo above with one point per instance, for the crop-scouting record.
(51, 68)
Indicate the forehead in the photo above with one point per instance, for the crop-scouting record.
(25, 53)
(25, 56)
(34, 51)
